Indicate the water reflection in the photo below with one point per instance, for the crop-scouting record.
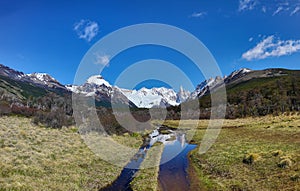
(173, 164)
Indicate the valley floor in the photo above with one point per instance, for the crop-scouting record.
(39, 158)
(249, 154)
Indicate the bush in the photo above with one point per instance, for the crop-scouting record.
(285, 162)
(295, 177)
(277, 153)
(251, 158)
(54, 119)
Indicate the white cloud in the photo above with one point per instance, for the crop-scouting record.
(250, 39)
(295, 10)
(199, 14)
(290, 7)
(102, 59)
(86, 29)
(280, 8)
(247, 5)
(272, 47)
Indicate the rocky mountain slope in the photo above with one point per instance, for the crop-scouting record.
(42, 80)
(261, 91)
(206, 86)
(143, 98)
(254, 92)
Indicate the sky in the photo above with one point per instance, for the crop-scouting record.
(53, 36)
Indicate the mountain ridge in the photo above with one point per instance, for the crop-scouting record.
(103, 91)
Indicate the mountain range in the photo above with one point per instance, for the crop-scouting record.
(20, 86)
(102, 90)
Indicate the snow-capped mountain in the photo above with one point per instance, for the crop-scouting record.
(8, 72)
(40, 79)
(205, 86)
(101, 89)
(182, 95)
(208, 85)
(144, 98)
(44, 79)
(154, 97)
(98, 80)
(236, 74)
(92, 85)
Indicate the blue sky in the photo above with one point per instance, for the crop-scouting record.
(53, 36)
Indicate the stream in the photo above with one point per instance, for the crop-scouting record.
(173, 165)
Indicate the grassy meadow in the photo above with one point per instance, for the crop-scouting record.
(38, 158)
(249, 154)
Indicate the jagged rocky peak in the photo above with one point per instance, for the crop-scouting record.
(44, 80)
(43, 77)
(8, 72)
(154, 97)
(205, 86)
(208, 85)
(182, 95)
(40, 79)
(237, 74)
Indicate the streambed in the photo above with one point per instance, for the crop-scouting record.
(173, 165)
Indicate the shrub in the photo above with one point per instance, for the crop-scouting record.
(251, 158)
(277, 153)
(295, 177)
(285, 162)
(53, 119)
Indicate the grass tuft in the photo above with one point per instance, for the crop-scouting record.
(251, 158)
(285, 162)
(277, 153)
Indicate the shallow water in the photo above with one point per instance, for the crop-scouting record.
(174, 162)
(127, 174)
(173, 174)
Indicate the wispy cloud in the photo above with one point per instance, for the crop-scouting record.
(86, 29)
(245, 5)
(272, 47)
(295, 10)
(102, 59)
(280, 8)
(198, 14)
(250, 39)
(291, 7)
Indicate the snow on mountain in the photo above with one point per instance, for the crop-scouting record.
(42, 77)
(92, 86)
(44, 80)
(236, 74)
(212, 83)
(182, 95)
(205, 86)
(148, 98)
(143, 98)
(72, 88)
(8, 72)
(154, 97)
(98, 80)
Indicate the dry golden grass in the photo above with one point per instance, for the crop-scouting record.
(38, 158)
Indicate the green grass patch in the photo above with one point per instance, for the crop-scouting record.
(250, 154)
